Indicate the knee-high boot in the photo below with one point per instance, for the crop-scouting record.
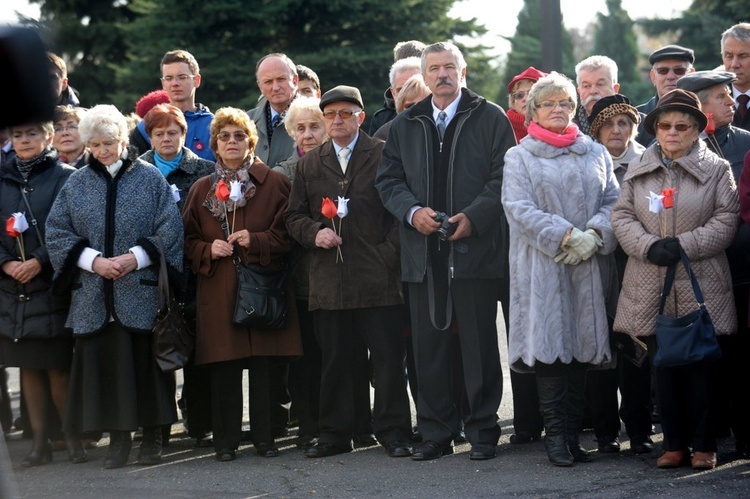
(552, 406)
(575, 402)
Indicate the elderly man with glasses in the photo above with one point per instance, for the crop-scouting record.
(355, 287)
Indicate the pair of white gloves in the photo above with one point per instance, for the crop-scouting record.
(580, 246)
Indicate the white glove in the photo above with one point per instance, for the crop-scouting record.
(568, 257)
(584, 243)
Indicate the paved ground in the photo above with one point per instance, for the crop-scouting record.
(518, 471)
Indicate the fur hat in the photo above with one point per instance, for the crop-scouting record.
(607, 107)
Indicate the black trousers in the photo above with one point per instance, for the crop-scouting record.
(341, 334)
(304, 375)
(601, 398)
(226, 401)
(731, 395)
(635, 403)
(196, 393)
(685, 402)
(475, 310)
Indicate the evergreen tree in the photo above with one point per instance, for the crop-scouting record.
(86, 34)
(526, 46)
(700, 28)
(115, 48)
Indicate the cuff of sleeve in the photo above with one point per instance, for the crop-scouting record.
(141, 257)
(410, 214)
(86, 259)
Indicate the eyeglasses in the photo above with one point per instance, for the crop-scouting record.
(179, 78)
(680, 127)
(519, 95)
(66, 128)
(565, 105)
(345, 115)
(238, 136)
(679, 71)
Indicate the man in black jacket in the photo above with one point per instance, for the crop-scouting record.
(441, 174)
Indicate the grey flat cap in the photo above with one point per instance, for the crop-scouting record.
(700, 80)
(342, 93)
(672, 52)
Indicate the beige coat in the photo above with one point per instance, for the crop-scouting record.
(704, 219)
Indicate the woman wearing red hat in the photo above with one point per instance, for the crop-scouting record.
(518, 89)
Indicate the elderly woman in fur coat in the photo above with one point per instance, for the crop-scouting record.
(558, 192)
(101, 239)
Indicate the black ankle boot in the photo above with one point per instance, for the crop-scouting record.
(118, 451)
(76, 452)
(552, 406)
(149, 452)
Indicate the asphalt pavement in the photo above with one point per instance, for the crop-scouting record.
(517, 471)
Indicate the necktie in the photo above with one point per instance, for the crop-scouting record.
(441, 124)
(344, 158)
(742, 105)
(275, 121)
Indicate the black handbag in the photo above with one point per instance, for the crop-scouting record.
(689, 339)
(261, 296)
(173, 339)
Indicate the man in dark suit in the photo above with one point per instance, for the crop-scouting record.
(442, 168)
(735, 52)
(355, 293)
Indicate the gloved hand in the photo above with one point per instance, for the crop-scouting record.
(584, 243)
(569, 257)
(664, 252)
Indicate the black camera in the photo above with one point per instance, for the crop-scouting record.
(446, 228)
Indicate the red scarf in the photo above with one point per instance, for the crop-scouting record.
(517, 120)
(564, 139)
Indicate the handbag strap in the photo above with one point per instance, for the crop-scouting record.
(669, 281)
(33, 218)
(163, 278)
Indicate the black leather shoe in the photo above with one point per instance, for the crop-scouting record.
(364, 440)
(226, 455)
(38, 456)
(304, 442)
(324, 449)
(398, 449)
(431, 450)
(523, 437)
(482, 452)
(266, 450)
(641, 446)
(608, 445)
(149, 452)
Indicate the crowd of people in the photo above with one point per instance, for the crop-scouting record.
(568, 210)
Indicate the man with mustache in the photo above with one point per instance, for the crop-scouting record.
(596, 77)
(441, 176)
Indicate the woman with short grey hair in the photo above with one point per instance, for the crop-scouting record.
(558, 192)
(101, 237)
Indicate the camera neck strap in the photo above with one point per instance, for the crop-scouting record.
(431, 294)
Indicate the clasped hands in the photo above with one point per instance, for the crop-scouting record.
(116, 266)
(579, 247)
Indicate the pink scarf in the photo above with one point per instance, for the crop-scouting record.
(554, 139)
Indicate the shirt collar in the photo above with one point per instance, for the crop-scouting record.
(351, 145)
(450, 110)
